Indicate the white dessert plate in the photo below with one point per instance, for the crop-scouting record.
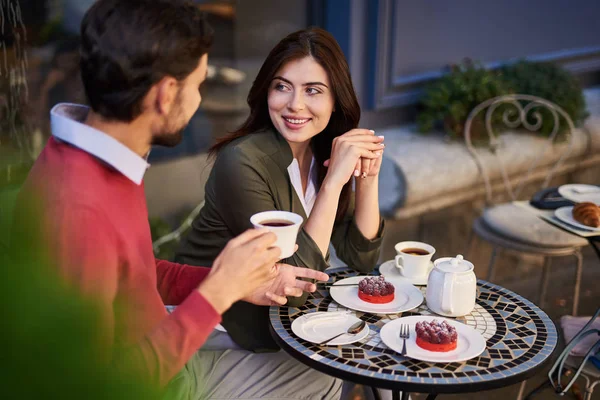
(406, 297)
(470, 343)
(318, 326)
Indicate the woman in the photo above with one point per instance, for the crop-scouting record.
(297, 151)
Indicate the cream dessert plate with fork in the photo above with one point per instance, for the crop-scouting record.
(470, 342)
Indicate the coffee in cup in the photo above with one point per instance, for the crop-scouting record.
(413, 258)
(285, 225)
(276, 222)
(415, 251)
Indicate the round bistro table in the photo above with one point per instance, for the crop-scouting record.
(520, 340)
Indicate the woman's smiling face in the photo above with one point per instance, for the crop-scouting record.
(300, 100)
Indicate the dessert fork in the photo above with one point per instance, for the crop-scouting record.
(404, 334)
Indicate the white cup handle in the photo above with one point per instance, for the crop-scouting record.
(399, 262)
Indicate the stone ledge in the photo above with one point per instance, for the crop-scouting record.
(424, 173)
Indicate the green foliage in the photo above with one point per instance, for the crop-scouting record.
(16, 133)
(549, 82)
(50, 334)
(447, 102)
(13, 169)
(50, 31)
(158, 229)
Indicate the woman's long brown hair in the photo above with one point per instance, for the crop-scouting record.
(323, 48)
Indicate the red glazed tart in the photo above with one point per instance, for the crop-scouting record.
(376, 290)
(436, 336)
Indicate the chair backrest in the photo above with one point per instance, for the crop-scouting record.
(512, 112)
(178, 233)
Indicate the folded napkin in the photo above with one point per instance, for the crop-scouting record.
(571, 327)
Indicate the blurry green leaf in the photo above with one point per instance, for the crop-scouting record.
(50, 333)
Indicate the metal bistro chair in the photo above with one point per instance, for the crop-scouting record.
(573, 367)
(508, 226)
(579, 365)
(180, 231)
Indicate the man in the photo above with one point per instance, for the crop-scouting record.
(142, 64)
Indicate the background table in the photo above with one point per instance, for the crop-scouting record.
(520, 340)
(555, 202)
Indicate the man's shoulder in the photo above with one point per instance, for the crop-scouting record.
(58, 195)
(64, 156)
(63, 172)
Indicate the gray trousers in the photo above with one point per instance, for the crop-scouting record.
(221, 370)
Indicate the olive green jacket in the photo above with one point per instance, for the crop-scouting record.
(249, 176)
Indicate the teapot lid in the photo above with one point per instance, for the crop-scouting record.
(454, 264)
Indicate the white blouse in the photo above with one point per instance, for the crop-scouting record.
(307, 199)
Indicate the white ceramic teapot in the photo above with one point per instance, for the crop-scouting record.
(451, 287)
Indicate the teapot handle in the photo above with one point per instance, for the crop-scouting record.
(447, 289)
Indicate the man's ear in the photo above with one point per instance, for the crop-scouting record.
(166, 93)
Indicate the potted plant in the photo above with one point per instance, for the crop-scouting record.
(447, 102)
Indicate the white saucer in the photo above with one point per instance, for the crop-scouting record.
(389, 270)
(318, 326)
(470, 342)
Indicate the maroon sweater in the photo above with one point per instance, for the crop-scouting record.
(97, 226)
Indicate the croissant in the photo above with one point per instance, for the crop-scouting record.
(587, 213)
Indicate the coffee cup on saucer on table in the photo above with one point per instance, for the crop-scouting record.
(413, 259)
(285, 225)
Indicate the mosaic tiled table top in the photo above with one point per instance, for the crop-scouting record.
(520, 339)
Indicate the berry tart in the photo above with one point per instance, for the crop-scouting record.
(436, 336)
(376, 290)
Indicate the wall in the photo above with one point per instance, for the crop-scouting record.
(260, 24)
(395, 47)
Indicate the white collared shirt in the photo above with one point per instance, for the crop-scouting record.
(67, 125)
(307, 199)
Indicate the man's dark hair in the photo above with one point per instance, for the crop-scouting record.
(127, 46)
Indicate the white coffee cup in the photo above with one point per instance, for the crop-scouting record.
(284, 225)
(410, 262)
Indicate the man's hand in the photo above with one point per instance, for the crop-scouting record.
(285, 283)
(246, 264)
